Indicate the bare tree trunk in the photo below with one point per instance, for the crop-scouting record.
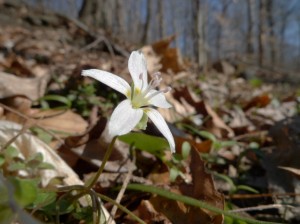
(195, 27)
(119, 27)
(198, 16)
(260, 34)
(161, 19)
(90, 13)
(174, 24)
(220, 28)
(271, 36)
(250, 48)
(147, 23)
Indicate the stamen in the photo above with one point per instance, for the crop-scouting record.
(165, 90)
(156, 75)
(155, 81)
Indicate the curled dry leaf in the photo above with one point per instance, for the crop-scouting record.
(294, 171)
(258, 101)
(60, 120)
(168, 58)
(148, 214)
(11, 85)
(28, 145)
(218, 123)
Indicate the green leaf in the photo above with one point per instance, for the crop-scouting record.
(256, 82)
(208, 135)
(177, 158)
(247, 188)
(85, 213)
(2, 160)
(185, 150)
(25, 190)
(41, 134)
(44, 198)
(174, 172)
(11, 152)
(57, 98)
(204, 134)
(60, 207)
(46, 166)
(16, 166)
(6, 214)
(145, 142)
(228, 143)
(35, 160)
(225, 178)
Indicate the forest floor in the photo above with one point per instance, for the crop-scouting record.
(237, 135)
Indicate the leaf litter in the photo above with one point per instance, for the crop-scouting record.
(243, 137)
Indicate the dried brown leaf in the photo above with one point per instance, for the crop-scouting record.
(60, 120)
(258, 101)
(11, 85)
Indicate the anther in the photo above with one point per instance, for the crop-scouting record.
(167, 89)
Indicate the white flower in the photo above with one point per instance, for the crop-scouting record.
(141, 96)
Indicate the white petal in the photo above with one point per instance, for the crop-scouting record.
(124, 119)
(109, 79)
(137, 67)
(162, 126)
(159, 100)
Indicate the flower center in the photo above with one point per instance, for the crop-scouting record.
(140, 97)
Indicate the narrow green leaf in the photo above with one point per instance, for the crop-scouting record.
(204, 134)
(61, 99)
(247, 188)
(191, 201)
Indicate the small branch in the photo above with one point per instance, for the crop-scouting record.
(123, 189)
(259, 208)
(32, 122)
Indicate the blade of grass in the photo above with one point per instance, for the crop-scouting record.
(191, 201)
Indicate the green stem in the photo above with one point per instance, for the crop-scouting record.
(122, 208)
(101, 168)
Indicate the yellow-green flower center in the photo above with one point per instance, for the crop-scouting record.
(138, 99)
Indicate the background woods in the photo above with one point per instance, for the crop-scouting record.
(261, 32)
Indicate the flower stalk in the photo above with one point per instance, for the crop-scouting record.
(101, 168)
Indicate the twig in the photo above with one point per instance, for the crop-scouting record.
(123, 188)
(259, 208)
(32, 122)
(246, 196)
(9, 142)
(251, 135)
